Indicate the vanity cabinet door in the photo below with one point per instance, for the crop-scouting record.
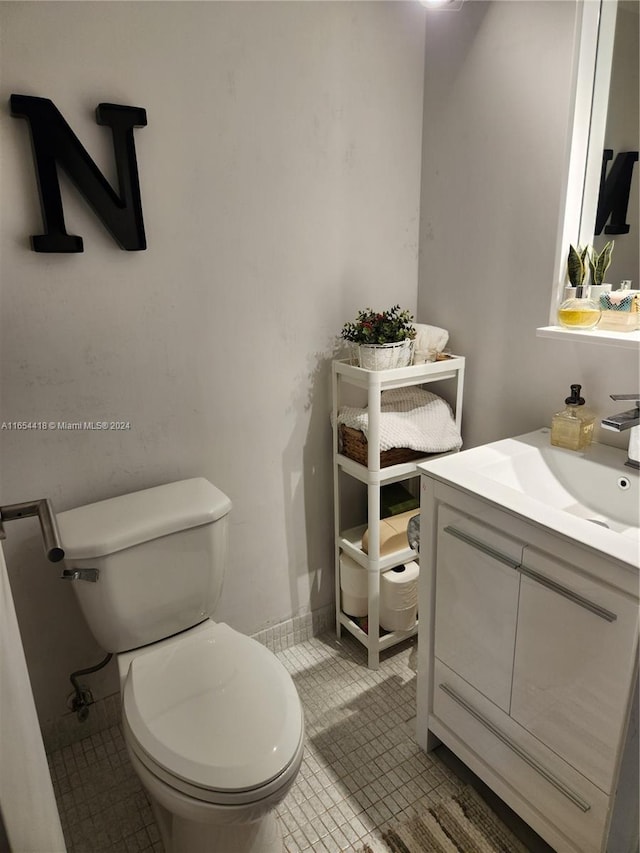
(574, 661)
(476, 605)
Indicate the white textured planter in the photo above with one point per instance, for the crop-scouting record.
(385, 356)
(595, 291)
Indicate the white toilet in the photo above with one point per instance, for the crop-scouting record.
(212, 720)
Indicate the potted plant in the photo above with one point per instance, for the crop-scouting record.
(382, 339)
(599, 263)
(577, 265)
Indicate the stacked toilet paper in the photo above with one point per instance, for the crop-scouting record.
(398, 593)
(353, 585)
(399, 598)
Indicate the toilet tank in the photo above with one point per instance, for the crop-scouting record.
(161, 555)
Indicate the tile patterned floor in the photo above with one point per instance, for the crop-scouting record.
(361, 769)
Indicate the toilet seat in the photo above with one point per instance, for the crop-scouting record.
(215, 715)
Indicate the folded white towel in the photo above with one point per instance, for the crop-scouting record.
(430, 338)
(409, 417)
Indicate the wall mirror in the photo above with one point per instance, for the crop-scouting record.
(615, 126)
(598, 72)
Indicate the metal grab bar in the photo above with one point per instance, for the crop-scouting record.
(43, 510)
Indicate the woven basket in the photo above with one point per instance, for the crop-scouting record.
(354, 445)
(383, 356)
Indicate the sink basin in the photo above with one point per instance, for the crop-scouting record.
(591, 496)
(590, 485)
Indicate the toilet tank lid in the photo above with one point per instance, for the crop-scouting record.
(108, 526)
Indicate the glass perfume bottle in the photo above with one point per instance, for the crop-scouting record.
(579, 311)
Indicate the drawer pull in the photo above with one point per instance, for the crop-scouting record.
(481, 546)
(568, 593)
(567, 792)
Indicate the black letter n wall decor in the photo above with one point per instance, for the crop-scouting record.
(54, 143)
(615, 190)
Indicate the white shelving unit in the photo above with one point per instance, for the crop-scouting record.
(349, 541)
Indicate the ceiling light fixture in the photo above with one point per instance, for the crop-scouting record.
(442, 5)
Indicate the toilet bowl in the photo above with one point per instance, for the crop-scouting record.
(212, 720)
(215, 731)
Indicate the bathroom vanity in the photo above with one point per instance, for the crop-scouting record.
(528, 632)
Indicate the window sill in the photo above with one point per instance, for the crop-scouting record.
(625, 340)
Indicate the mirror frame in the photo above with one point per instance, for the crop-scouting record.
(593, 54)
(594, 37)
(599, 116)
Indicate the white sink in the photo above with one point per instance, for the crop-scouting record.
(591, 496)
(590, 485)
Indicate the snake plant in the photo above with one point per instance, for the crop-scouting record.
(600, 263)
(577, 265)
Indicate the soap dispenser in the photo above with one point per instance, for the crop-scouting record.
(573, 426)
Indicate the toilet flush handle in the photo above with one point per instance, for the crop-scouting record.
(43, 510)
(80, 575)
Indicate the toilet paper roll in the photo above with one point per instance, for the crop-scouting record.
(398, 620)
(393, 533)
(399, 587)
(353, 586)
(399, 598)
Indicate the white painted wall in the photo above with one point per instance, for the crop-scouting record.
(497, 100)
(280, 174)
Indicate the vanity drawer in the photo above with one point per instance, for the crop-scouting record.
(497, 748)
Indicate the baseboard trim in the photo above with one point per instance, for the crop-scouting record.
(296, 630)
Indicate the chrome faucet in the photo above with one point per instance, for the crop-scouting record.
(629, 420)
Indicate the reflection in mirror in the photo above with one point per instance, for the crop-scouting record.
(615, 129)
(622, 141)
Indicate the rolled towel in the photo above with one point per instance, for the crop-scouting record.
(618, 300)
(430, 338)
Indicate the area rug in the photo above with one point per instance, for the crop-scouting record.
(460, 823)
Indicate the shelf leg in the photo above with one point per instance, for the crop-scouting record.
(373, 636)
(335, 394)
(373, 661)
(337, 591)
